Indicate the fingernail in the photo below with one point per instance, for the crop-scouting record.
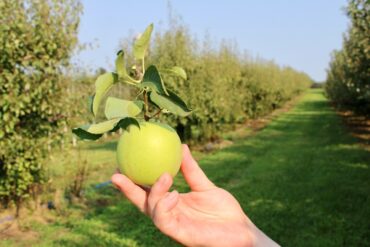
(163, 179)
(187, 148)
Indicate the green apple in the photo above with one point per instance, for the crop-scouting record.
(145, 153)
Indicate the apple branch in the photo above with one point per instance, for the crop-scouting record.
(157, 113)
(146, 106)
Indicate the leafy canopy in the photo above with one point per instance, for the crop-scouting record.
(37, 38)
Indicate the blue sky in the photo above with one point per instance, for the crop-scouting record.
(300, 33)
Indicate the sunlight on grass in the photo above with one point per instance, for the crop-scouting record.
(359, 165)
(269, 203)
(302, 180)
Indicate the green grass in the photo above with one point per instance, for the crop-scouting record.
(303, 180)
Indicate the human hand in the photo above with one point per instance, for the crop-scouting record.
(206, 216)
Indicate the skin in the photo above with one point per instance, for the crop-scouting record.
(206, 216)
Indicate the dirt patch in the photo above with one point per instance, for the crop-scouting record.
(13, 230)
(20, 229)
(357, 125)
(262, 122)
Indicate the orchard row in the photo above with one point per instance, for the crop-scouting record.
(348, 80)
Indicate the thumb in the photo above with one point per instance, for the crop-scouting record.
(193, 174)
(163, 216)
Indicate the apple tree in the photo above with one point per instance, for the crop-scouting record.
(37, 38)
(348, 78)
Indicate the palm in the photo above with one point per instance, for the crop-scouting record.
(201, 216)
(207, 205)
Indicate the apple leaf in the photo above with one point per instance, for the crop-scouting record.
(119, 108)
(90, 101)
(121, 69)
(176, 71)
(170, 102)
(125, 123)
(142, 43)
(102, 86)
(153, 80)
(95, 131)
(85, 135)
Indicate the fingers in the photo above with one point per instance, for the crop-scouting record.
(159, 191)
(193, 174)
(132, 191)
(163, 217)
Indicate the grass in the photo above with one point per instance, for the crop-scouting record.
(303, 180)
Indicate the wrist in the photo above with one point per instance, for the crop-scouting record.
(260, 239)
(244, 236)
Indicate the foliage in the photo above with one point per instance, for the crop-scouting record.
(223, 87)
(348, 79)
(122, 113)
(36, 41)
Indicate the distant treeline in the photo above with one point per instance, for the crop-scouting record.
(348, 80)
(224, 85)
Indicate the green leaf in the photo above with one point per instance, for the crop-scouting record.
(119, 108)
(90, 101)
(121, 69)
(171, 102)
(153, 80)
(176, 71)
(95, 131)
(121, 65)
(125, 123)
(83, 134)
(142, 43)
(102, 86)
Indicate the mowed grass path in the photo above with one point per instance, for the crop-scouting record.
(303, 180)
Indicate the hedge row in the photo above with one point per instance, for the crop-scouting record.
(37, 38)
(348, 79)
(223, 87)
